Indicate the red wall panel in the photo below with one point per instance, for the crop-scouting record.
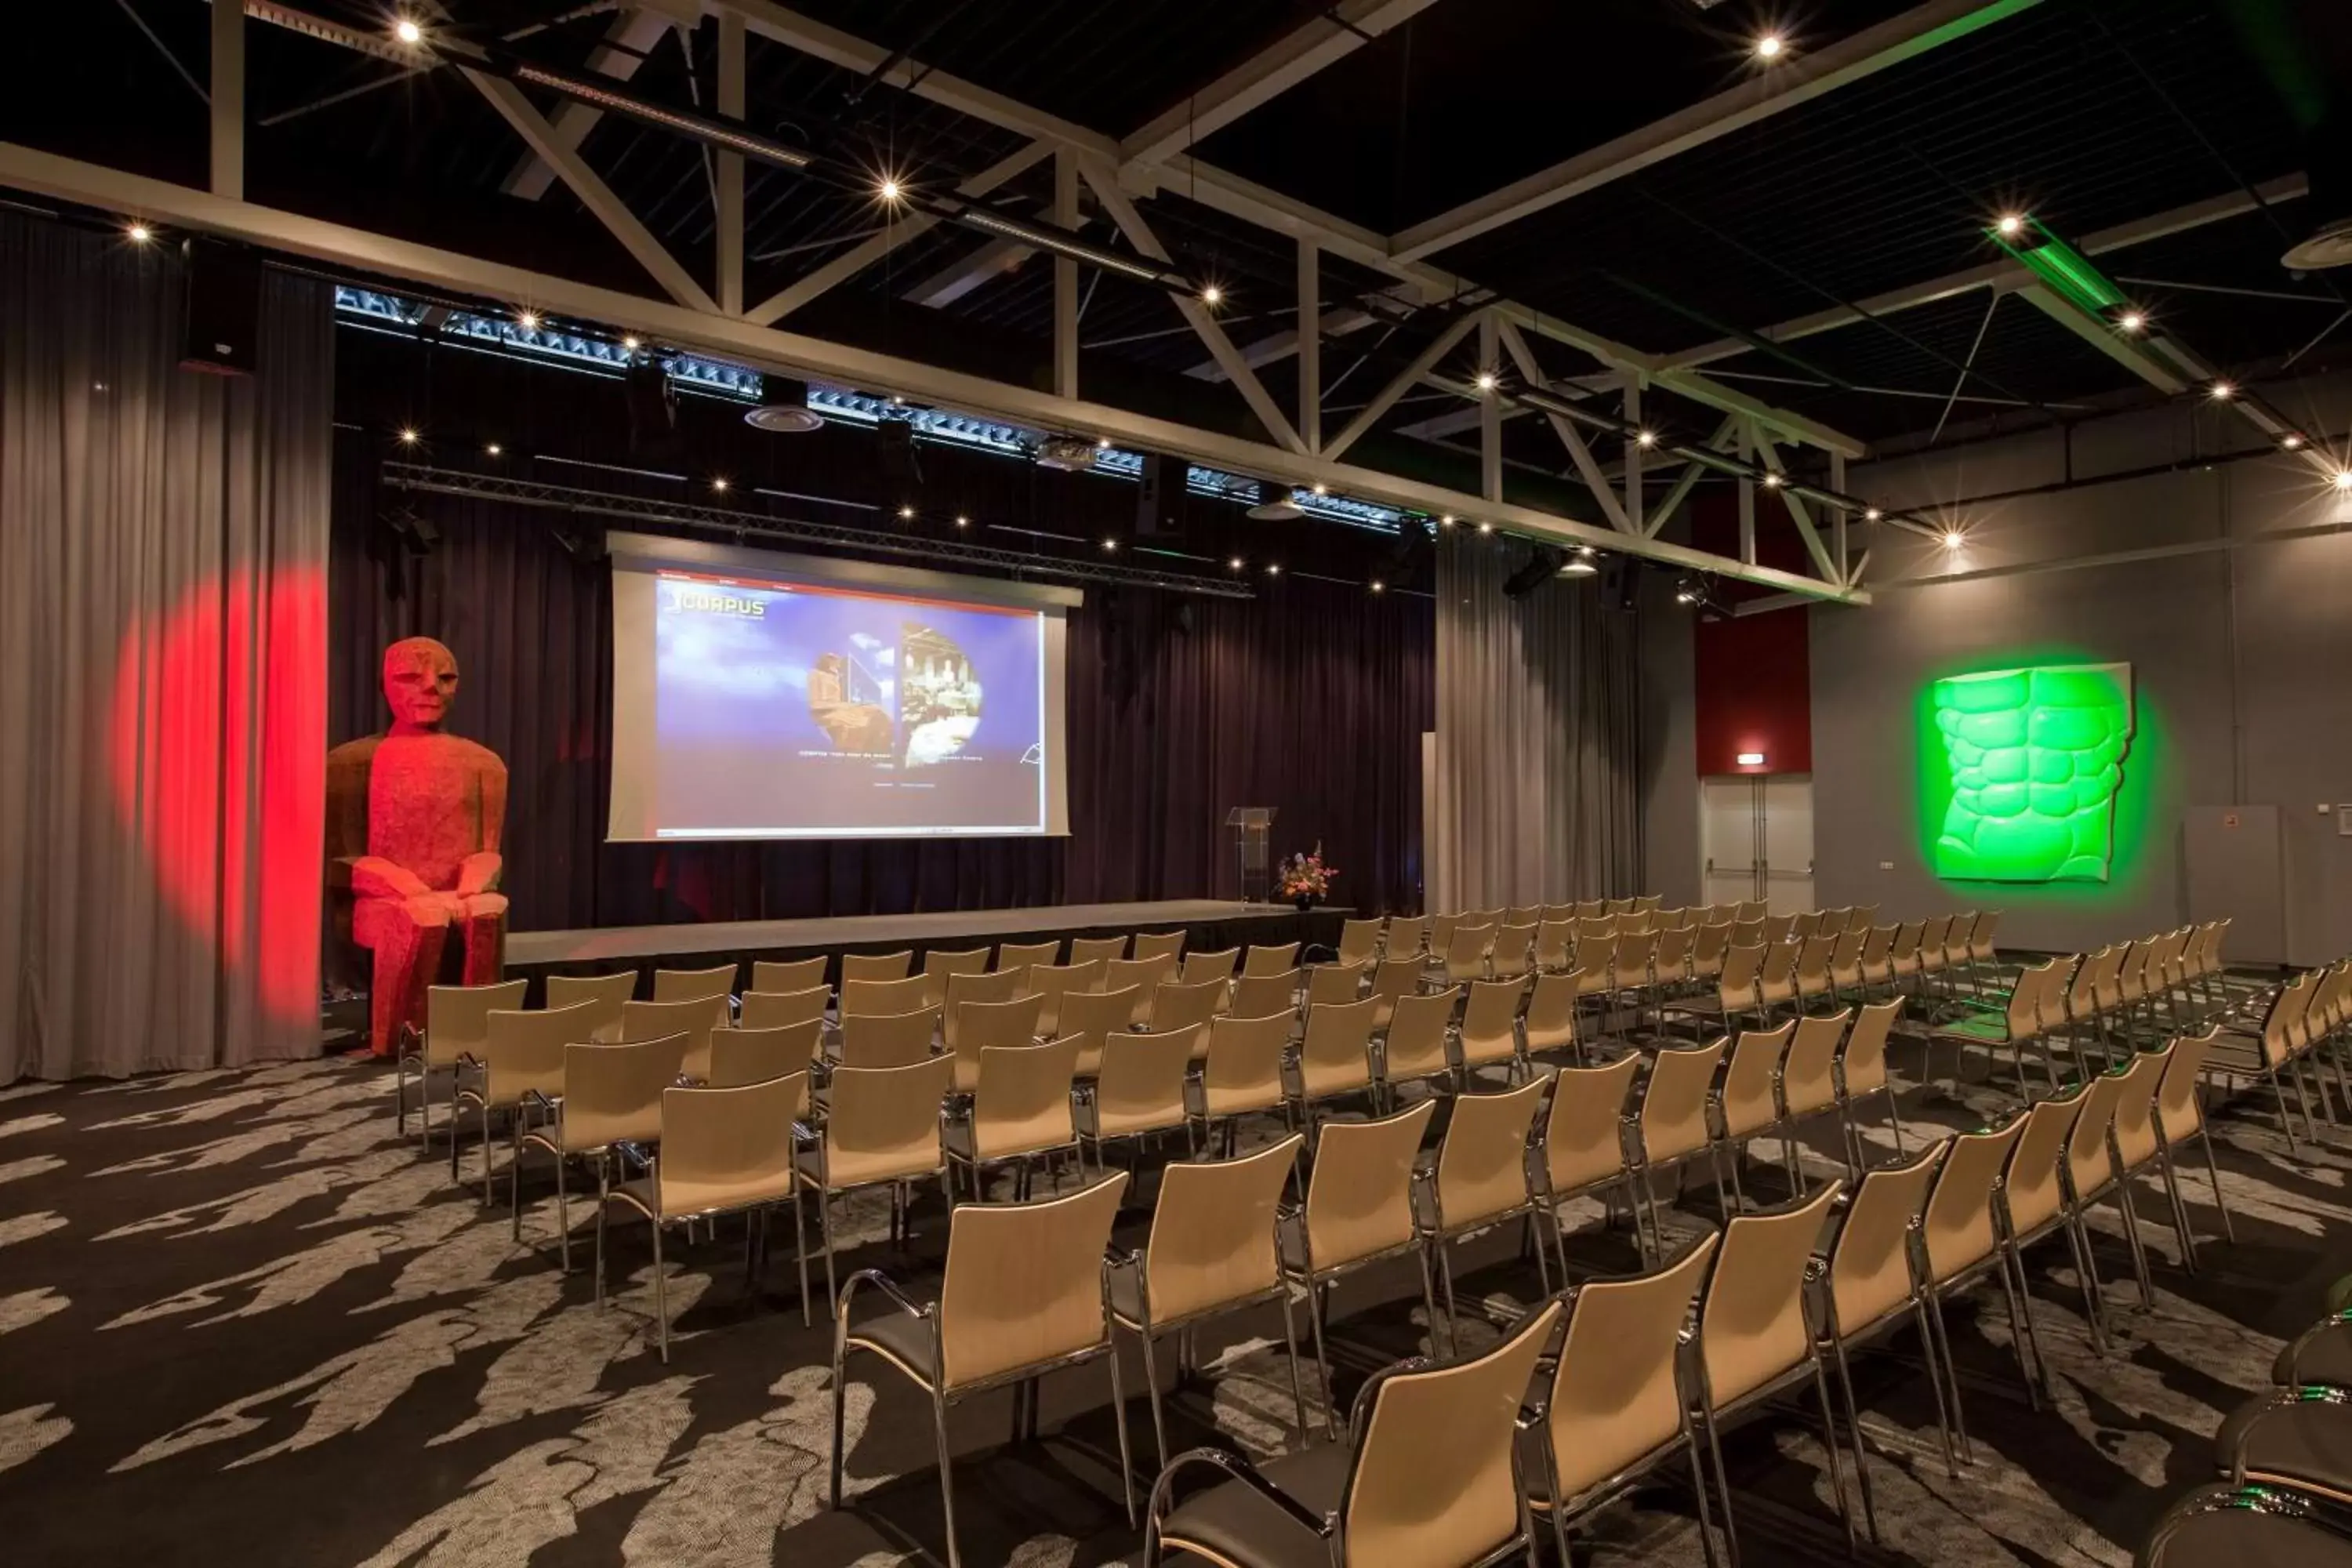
(1753, 676)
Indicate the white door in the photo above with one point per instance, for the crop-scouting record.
(1788, 842)
(1756, 840)
(1730, 840)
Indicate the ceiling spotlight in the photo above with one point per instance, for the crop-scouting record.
(1273, 569)
(1485, 528)
(1110, 546)
(1322, 489)
(1212, 295)
(1102, 443)
(1686, 591)
(2132, 322)
(2012, 224)
(889, 190)
(494, 449)
(2291, 442)
(1771, 46)
(1954, 539)
(2224, 390)
(1581, 565)
(407, 31)
(1446, 521)
(1488, 381)
(139, 234)
(2344, 478)
(1234, 564)
(906, 514)
(1872, 514)
(408, 436)
(1771, 482)
(1378, 586)
(1646, 439)
(719, 485)
(963, 521)
(527, 320)
(631, 344)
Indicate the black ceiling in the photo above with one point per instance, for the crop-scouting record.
(2088, 114)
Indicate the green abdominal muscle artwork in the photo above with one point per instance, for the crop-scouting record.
(2036, 758)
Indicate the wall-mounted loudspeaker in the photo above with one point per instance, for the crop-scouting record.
(1159, 500)
(1621, 583)
(221, 323)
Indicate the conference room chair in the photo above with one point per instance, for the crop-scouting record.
(1523, 914)
(2140, 1149)
(1199, 968)
(611, 1094)
(1709, 940)
(1747, 932)
(783, 1009)
(1392, 978)
(1549, 1022)
(881, 1127)
(1845, 966)
(2017, 1026)
(2180, 1116)
(1805, 1087)
(1168, 944)
(1242, 1075)
(789, 975)
(1804, 924)
(1466, 955)
(1638, 923)
(738, 1057)
(1670, 963)
(2031, 1204)
(1601, 928)
(901, 996)
(1555, 946)
(1140, 1093)
(1730, 999)
(1414, 1048)
(1360, 942)
(1670, 1130)
(457, 1021)
(2079, 1004)
(1776, 978)
(691, 1017)
(1861, 1073)
(1358, 1211)
(520, 1062)
(1582, 1152)
(1872, 1293)
(1746, 911)
(1620, 906)
(1276, 960)
(872, 966)
(1097, 949)
(1872, 970)
(1026, 1292)
(964, 992)
(604, 993)
(2226, 1525)
(1778, 929)
(714, 986)
(1022, 1110)
(1262, 996)
(1483, 1178)
(1591, 909)
(1961, 1241)
(1928, 962)
(1406, 936)
(1490, 919)
(2090, 1170)
(1610, 1413)
(1649, 903)
(1488, 1034)
(1514, 952)
(1418, 1433)
(940, 968)
(1142, 975)
(1565, 911)
(1757, 1338)
(1091, 1017)
(1630, 981)
(1864, 917)
(1812, 974)
(1440, 937)
(1980, 953)
(889, 1039)
(1052, 982)
(2274, 1049)
(1176, 1005)
(1957, 967)
(723, 1150)
(1743, 1106)
(1210, 1251)
(1328, 985)
(1017, 956)
(976, 1028)
(1335, 1058)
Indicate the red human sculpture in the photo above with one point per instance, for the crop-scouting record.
(413, 823)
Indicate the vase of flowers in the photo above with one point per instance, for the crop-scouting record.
(1303, 880)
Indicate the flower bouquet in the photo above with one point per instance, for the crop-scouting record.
(1304, 878)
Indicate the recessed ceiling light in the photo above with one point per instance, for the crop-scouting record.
(2012, 224)
(494, 449)
(2291, 442)
(719, 485)
(139, 234)
(890, 189)
(1212, 295)
(407, 31)
(2222, 391)
(1646, 439)
(1954, 539)
(1378, 586)
(1487, 381)
(408, 436)
(1771, 46)
(2131, 321)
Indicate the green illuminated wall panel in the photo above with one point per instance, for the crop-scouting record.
(2036, 759)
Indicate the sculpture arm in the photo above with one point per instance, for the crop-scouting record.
(479, 873)
(374, 876)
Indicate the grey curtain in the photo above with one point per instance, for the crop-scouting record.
(163, 685)
(1537, 792)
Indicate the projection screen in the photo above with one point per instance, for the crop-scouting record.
(760, 695)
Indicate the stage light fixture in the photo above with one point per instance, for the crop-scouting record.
(1446, 521)
(1234, 564)
(1322, 489)
(2012, 224)
(963, 521)
(1485, 528)
(2132, 322)
(1646, 439)
(1379, 586)
(1771, 46)
(1542, 565)
(1872, 515)
(1771, 482)
(1273, 569)
(1686, 591)
(719, 485)
(1954, 539)
(139, 234)
(407, 31)
(2291, 442)
(1487, 381)
(906, 514)
(889, 189)
(494, 449)
(408, 436)
(631, 344)
(2222, 391)
(527, 320)
(1110, 546)
(1102, 443)
(1583, 564)
(1211, 296)
(2344, 479)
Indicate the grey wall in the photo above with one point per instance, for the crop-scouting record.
(2241, 658)
(1670, 850)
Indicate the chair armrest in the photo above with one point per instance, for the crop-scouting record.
(1236, 1468)
(882, 1282)
(634, 1153)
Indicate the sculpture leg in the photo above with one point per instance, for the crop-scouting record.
(407, 956)
(486, 938)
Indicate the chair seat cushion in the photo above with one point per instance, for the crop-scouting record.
(2244, 1539)
(903, 1338)
(2321, 1355)
(2308, 1444)
(1232, 1523)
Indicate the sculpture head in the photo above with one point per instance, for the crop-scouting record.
(420, 679)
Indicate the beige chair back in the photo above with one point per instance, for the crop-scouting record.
(1023, 1282)
(1243, 1070)
(1482, 1165)
(1212, 1231)
(1415, 1046)
(1513, 951)
(1097, 949)
(1549, 1022)
(889, 1040)
(1870, 1266)
(1555, 947)
(1018, 956)
(2135, 1129)
(1489, 1032)
(1141, 1086)
(938, 968)
(875, 966)
(1861, 1064)
(1672, 1120)
(1142, 975)
(711, 985)
(738, 1057)
(1185, 1007)
(1630, 970)
(1199, 968)
(1596, 928)
(1090, 1017)
(1360, 942)
(2030, 1185)
(1467, 951)
(978, 1026)
(1877, 943)
(1708, 944)
(1052, 982)
(1407, 935)
(1167, 945)
(780, 1009)
(1271, 960)
(1395, 977)
(1583, 1140)
(882, 1123)
(1334, 1056)
(1334, 982)
(658, 1020)
(458, 1018)
(1735, 985)
(2089, 1165)
(604, 993)
(1433, 1483)
(788, 974)
(612, 1093)
(886, 995)
(1752, 1326)
(1746, 1099)
(1958, 1232)
(1021, 1098)
(729, 1147)
(1262, 996)
(522, 1053)
(966, 990)
(2179, 1113)
(1614, 1400)
(1808, 1075)
(1359, 1196)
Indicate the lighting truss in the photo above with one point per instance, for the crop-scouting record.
(545, 343)
(741, 525)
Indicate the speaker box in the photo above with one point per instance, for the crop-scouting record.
(1159, 500)
(221, 321)
(1621, 583)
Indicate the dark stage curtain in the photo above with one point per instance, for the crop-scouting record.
(1311, 698)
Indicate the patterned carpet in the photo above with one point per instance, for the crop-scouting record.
(240, 1316)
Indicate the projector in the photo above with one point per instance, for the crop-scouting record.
(1065, 452)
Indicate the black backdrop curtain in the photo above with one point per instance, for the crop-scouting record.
(1310, 698)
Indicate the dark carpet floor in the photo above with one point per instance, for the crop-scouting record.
(242, 1320)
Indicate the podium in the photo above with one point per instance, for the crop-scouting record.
(1251, 825)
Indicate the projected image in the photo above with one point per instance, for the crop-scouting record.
(2035, 758)
(792, 710)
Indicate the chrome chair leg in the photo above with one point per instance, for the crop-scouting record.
(1290, 1342)
(947, 1478)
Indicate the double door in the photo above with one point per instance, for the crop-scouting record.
(1756, 836)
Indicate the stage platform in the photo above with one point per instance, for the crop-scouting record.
(1209, 924)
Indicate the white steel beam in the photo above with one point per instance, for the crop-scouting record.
(1767, 93)
(1663, 513)
(2124, 351)
(1338, 32)
(1385, 398)
(1578, 451)
(1310, 338)
(1275, 347)
(995, 259)
(1800, 514)
(632, 34)
(1631, 460)
(228, 101)
(1064, 215)
(593, 193)
(868, 251)
(792, 353)
(1490, 411)
(731, 167)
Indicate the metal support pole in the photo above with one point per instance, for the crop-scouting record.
(1633, 514)
(1837, 516)
(228, 101)
(731, 166)
(1746, 500)
(1066, 277)
(1490, 414)
(1311, 345)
